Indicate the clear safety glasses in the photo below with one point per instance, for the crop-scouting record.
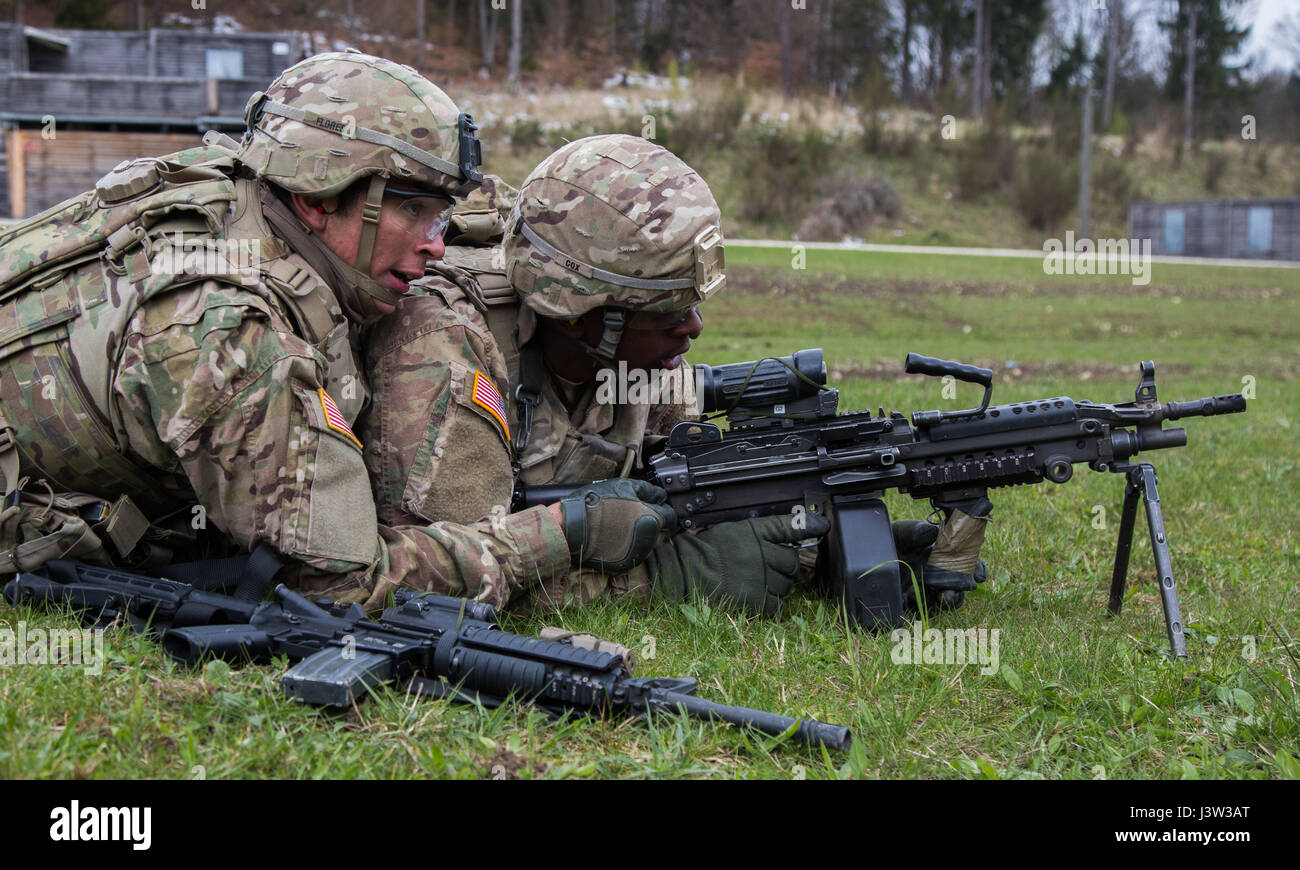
(423, 216)
(664, 320)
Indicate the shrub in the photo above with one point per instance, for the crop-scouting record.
(1114, 185)
(712, 123)
(525, 134)
(984, 161)
(1216, 164)
(848, 205)
(1045, 188)
(1261, 160)
(777, 166)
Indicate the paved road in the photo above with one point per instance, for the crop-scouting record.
(963, 252)
(986, 252)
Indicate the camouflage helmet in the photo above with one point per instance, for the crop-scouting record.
(335, 118)
(614, 221)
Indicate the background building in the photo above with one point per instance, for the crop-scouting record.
(74, 103)
(1267, 229)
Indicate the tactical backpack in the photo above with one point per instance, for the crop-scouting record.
(71, 278)
(475, 261)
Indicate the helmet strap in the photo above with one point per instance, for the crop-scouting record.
(370, 211)
(603, 353)
(356, 291)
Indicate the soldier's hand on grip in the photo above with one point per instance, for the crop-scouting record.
(611, 525)
(744, 563)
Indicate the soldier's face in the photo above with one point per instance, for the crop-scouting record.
(650, 341)
(410, 232)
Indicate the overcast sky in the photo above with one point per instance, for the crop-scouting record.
(1264, 39)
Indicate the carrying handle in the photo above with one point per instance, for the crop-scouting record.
(916, 364)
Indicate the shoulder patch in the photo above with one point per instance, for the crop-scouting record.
(335, 420)
(485, 395)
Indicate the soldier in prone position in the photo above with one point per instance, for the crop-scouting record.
(596, 267)
(156, 405)
(614, 245)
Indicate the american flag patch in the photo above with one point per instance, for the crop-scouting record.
(335, 420)
(486, 397)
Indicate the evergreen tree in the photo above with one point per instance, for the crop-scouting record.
(1216, 82)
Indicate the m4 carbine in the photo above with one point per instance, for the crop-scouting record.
(444, 647)
(788, 448)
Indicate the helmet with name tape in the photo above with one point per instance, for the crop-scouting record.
(333, 119)
(614, 221)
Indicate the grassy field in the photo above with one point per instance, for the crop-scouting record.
(1074, 695)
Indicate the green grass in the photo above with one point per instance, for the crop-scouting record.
(1077, 695)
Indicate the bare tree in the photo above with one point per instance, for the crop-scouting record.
(516, 40)
(558, 16)
(1287, 36)
(908, 8)
(487, 31)
(982, 84)
(419, 34)
(1114, 15)
(1189, 106)
(787, 79)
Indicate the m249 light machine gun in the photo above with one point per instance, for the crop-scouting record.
(787, 447)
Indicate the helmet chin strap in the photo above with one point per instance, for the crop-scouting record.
(359, 275)
(370, 211)
(603, 353)
(357, 291)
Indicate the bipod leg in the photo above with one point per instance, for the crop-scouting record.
(1123, 548)
(1145, 477)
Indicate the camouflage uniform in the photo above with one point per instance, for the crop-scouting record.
(436, 452)
(237, 392)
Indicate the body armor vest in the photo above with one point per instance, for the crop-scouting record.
(72, 278)
(555, 447)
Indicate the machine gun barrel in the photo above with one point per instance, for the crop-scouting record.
(1210, 406)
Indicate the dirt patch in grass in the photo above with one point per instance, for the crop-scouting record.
(507, 764)
(905, 291)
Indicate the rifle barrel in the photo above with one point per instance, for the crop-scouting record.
(810, 731)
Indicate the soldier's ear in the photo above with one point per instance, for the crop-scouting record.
(315, 213)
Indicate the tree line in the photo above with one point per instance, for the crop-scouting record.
(971, 57)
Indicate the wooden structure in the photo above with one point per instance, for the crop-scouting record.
(1264, 229)
(74, 103)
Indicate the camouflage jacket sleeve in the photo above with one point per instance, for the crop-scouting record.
(437, 434)
(434, 450)
(211, 386)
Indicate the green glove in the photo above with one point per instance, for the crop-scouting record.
(612, 524)
(913, 539)
(741, 563)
